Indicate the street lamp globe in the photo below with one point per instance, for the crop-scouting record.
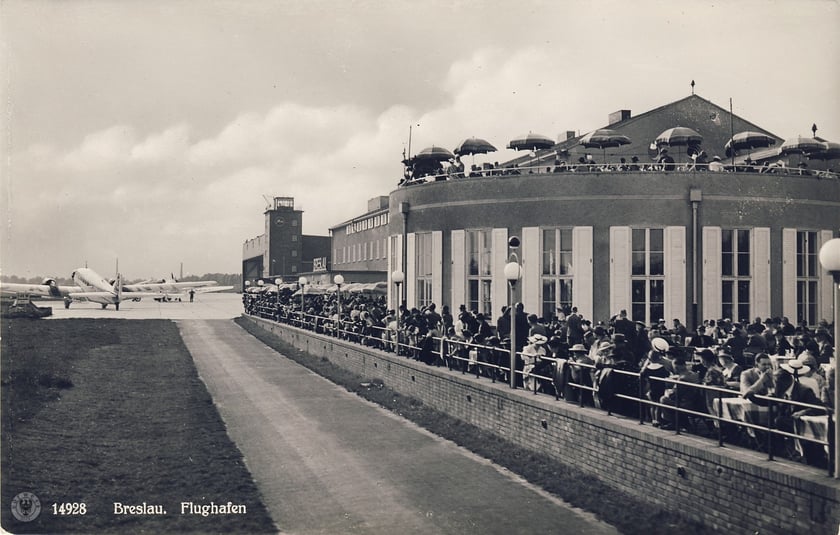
(260, 282)
(398, 277)
(278, 282)
(513, 272)
(830, 257)
(302, 281)
(338, 280)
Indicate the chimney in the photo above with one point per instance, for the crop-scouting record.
(570, 134)
(618, 116)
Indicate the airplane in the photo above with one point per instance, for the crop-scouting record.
(92, 287)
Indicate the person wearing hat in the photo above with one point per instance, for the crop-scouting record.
(655, 367)
(531, 354)
(731, 371)
(715, 165)
(581, 375)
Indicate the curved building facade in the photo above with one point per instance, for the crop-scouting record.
(661, 245)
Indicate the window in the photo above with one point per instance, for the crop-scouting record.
(423, 257)
(479, 270)
(294, 222)
(557, 272)
(294, 252)
(294, 237)
(647, 275)
(807, 277)
(735, 274)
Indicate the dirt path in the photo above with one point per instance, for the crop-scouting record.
(327, 461)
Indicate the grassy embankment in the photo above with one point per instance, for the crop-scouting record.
(104, 411)
(627, 513)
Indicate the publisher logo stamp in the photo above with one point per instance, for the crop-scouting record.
(26, 507)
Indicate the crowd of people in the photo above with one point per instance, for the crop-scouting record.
(423, 171)
(610, 364)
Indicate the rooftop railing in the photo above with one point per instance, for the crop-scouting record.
(593, 168)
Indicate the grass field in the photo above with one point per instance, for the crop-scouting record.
(104, 411)
(627, 513)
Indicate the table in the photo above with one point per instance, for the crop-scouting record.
(813, 427)
(742, 410)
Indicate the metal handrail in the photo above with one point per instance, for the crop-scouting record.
(443, 356)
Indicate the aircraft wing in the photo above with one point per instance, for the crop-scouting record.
(46, 290)
(165, 286)
(208, 289)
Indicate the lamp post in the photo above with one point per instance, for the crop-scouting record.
(513, 272)
(830, 260)
(338, 280)
(302, 283)
(398, 277)
(278, 281)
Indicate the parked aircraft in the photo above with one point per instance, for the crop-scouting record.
(92, 287)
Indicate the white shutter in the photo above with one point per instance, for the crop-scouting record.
(499, 287)
(789, 274)
(675, 287)
(712, 288)
(582, 268)
(459, 270)
(826, 284)
(437, 268)
(620, 251)
(760, 287)
(410, 272)
(531, 277)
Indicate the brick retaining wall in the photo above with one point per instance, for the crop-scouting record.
(731, 489)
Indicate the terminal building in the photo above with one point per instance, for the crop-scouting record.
(683, 244)
(687, 245)
(283, 251)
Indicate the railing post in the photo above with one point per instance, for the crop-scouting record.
(642, 404)
(770, 408)
(720, 418)
(677, 409)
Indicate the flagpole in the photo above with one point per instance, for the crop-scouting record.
(731, 134)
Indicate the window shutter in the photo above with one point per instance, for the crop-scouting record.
(712, 287)
(619, 269)
(531, 280)
(760, 287)
(582, 268)
(826, 284)
(499, 287)
(437, 268)
(789, 274)
(410, 272)
(459, 269)
(675, 287)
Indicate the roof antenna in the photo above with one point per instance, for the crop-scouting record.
(692, 87)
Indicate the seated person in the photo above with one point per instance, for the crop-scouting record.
(560, 166)
(715, 165)
(680, 396)
(759, 378)
(634, 164)
(731, 371)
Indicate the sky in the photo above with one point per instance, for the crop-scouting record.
(149, 133)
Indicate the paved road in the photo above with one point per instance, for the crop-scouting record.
(328, 462)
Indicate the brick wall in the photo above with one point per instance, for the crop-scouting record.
(731, 489)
